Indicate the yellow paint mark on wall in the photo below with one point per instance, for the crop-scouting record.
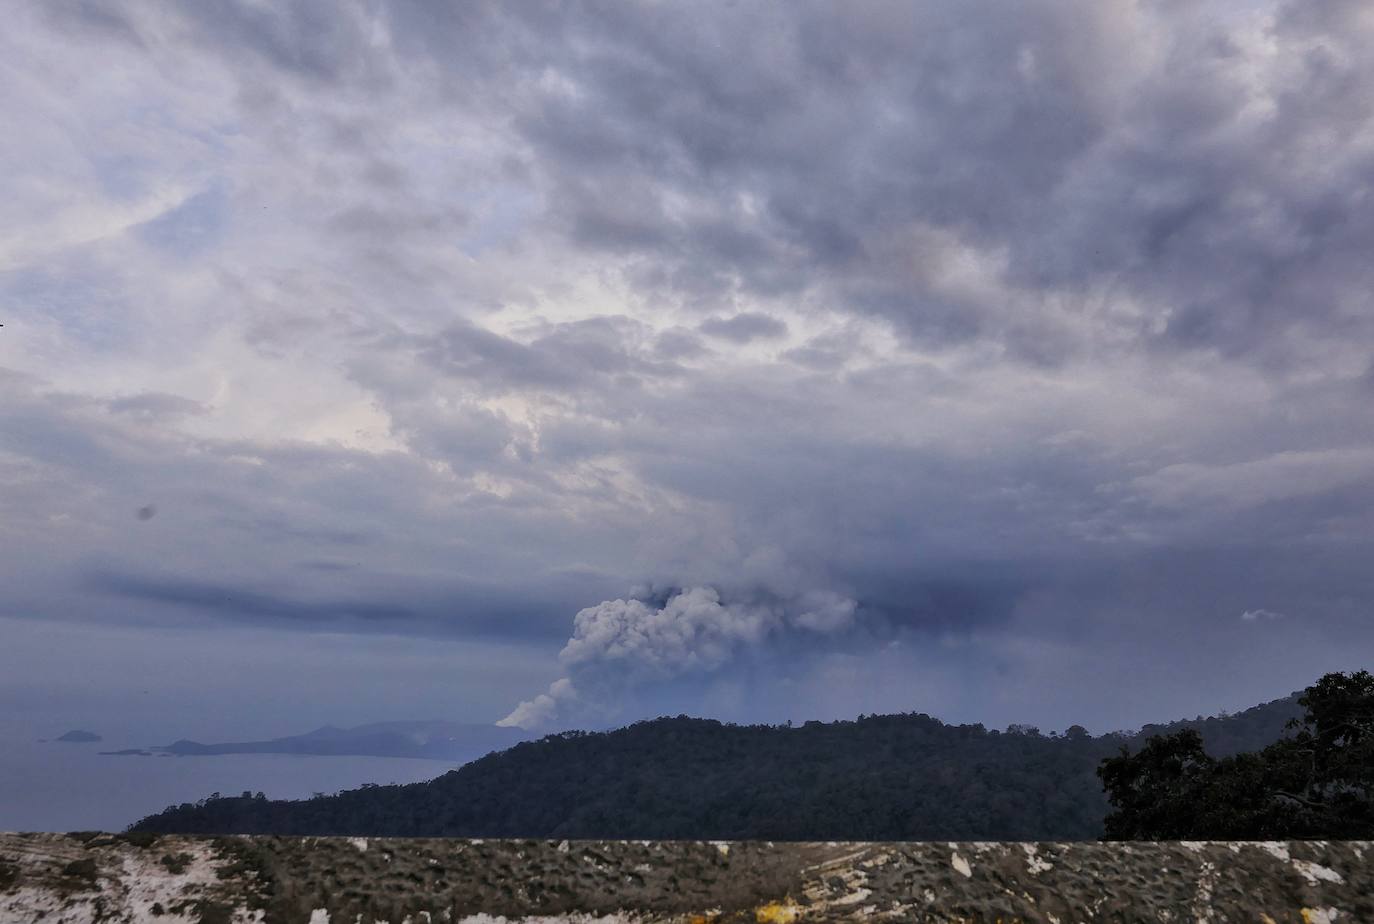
(784, 912)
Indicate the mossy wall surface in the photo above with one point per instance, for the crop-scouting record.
(107, 878)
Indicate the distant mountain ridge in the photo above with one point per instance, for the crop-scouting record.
(1234, 733)
(895, 777)
(449, 741)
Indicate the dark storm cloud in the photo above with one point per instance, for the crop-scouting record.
(470, 611)
(238, 602)
(81, 467)
(101, 19)
(744, 327)
(564, 357)
(319, 42)
(804, 138)
(808, 149)
(851, 154)
(1033, 340)
(678, 344)
(326, 565)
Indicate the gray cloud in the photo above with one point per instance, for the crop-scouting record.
(466, 610)
(447, 320)
(744, 327)
(152, 405)
(238, 602)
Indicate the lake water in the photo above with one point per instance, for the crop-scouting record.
(59, 786)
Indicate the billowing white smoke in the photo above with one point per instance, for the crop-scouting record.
(543, 709)
(692, 632)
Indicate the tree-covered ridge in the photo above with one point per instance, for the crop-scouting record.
(1317, 782)
(1233, 733)
(905, 776)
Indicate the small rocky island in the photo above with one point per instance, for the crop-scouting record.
(78, 736)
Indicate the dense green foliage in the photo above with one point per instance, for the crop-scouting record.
(1316, 783)
(898, 776)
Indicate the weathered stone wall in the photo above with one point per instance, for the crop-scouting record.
(98, 877)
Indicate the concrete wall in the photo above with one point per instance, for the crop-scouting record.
(165, 879)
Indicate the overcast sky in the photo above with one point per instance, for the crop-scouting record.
(567, 364)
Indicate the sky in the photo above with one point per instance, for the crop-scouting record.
(568, 364)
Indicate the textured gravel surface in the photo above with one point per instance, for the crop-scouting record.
(102, 877)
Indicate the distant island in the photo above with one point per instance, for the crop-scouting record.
(454, 742)
(80, 737)
(892, 777)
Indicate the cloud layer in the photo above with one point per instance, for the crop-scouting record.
(1034, 343)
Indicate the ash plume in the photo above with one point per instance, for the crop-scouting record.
(629, 642)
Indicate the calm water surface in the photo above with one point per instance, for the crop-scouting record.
(58, 786)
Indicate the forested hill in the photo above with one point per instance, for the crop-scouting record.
(880, 777)
(1238, 733)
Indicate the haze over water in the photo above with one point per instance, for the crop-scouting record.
(58, 786)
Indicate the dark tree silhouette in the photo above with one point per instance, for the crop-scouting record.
(881, 777)
(1316, 782)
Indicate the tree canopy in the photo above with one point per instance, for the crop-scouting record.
(1315, 782)
(909, 777)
